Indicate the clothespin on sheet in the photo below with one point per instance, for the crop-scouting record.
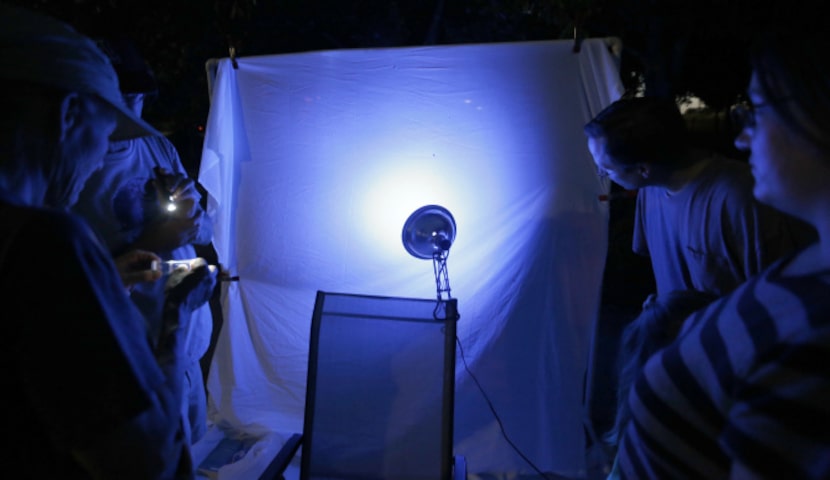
(577, 39)
(232, 54)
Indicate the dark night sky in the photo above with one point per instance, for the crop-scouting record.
(686, 42)
(677, 47)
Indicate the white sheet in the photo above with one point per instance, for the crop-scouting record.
(313, 161)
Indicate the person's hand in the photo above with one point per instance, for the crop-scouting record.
(190, 286)
(186, 289)
(135, 267)
(177, 194)
(182, 220)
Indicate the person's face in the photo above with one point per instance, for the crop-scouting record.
(627, 176)
(784, 164)
(82, 152)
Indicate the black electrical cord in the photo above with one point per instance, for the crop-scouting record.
(493, 409)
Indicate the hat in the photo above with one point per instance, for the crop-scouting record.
(39, 49)
(134, 74)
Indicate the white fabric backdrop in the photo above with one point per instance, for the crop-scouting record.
(313, 161)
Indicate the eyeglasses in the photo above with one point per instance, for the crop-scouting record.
(743, 114)
(617, 169)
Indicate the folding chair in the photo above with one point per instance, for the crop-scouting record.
(380, 391)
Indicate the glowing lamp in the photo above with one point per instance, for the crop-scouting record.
(429, 233)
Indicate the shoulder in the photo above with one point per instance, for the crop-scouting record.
(729, 174)
(726, 185)
(159, 140)
(50, 236)
(57, 225)
(646, 193)
(162, 151)
(159, 143)
(56, 253)
(68, 227)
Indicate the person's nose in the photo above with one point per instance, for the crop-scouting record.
(742, 140)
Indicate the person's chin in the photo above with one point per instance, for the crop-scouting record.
(761, 195)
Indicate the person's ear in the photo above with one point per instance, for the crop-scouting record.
(70, 114)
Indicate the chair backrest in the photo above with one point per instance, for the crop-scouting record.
(380, 391)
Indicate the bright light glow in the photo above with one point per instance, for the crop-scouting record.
(399, 191)
(315, 161)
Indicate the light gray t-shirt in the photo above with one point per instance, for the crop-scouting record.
(117, 205)
(712, 235)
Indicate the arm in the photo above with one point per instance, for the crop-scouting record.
(184, 292)
(119, 408)
(740, 471)
(639, 241)
(777, 425)
(185, 222)
(135, 267)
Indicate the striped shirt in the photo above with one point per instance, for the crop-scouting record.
(747, 380)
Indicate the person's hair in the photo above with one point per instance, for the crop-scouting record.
(795, 78)
(641, 130)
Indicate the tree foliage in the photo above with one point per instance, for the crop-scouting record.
(681, 48)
